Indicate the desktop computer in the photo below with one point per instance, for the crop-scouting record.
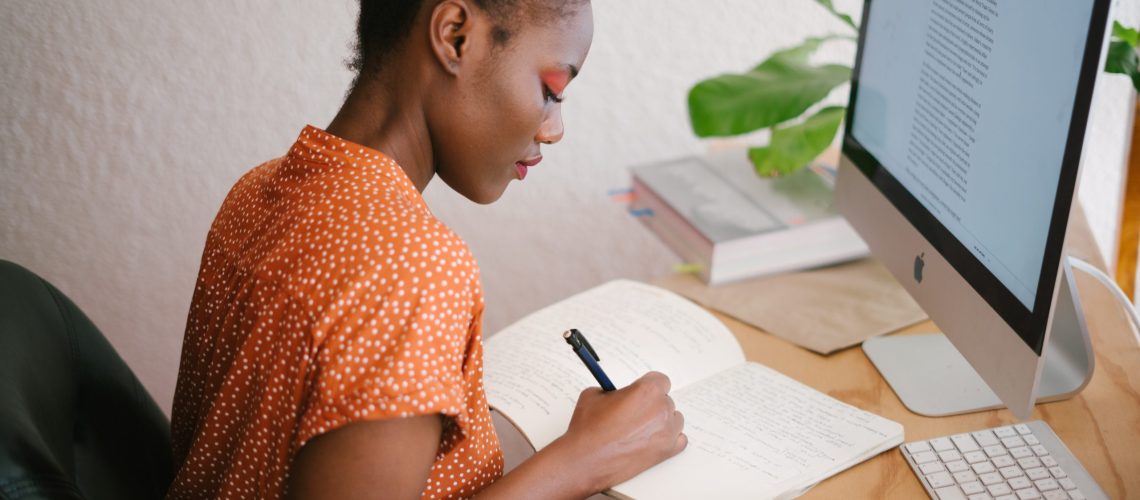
(960, 163)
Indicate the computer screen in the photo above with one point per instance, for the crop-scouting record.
(967, 108)
(979, 118)
(961, 155)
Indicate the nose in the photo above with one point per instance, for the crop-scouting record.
(551, 129)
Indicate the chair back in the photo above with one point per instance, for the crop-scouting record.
(74, 420)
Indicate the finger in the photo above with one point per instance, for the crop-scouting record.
(680, 445)
(659, 380)
(677, 423)
(670, 404)
(589, 392)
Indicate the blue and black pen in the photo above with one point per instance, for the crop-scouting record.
(586, 353)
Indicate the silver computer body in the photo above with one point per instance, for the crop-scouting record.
(1023, 350)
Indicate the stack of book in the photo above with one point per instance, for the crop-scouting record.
(732, 224)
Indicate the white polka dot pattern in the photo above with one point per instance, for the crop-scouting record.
(328, 294)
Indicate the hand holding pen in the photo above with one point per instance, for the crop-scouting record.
(616, 434)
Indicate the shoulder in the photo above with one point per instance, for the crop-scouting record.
(378, 248)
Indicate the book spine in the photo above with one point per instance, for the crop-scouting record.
(672, 228)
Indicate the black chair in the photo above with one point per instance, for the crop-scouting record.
(74, 420)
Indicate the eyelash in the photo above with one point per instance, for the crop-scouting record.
(549, 96)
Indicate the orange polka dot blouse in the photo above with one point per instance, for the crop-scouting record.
(328, 294)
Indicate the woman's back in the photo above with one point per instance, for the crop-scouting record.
(328, 294)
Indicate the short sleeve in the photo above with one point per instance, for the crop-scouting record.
(388, 350)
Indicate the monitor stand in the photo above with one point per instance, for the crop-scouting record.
(933, 379)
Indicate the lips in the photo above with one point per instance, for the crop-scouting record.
(522, 166)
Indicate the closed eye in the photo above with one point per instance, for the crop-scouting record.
(549, 96)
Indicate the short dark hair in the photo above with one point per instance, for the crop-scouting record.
(385, 24)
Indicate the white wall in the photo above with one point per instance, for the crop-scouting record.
(125, 123)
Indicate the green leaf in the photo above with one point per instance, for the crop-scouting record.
(779, 89)
(796, 146)
(844, 17)
(1128, 35)
(1122, 58)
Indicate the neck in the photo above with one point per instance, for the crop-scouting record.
(387, 115)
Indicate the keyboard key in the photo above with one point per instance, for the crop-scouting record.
(991, 478)
(1013, 442)
(1031, 439)
(985, 438)
(964, 442)
(965, 477)
(939, 479)
(949, 493)
(1021, 452)
(999, 489)
(1018, 483)
(1004, 461)
(917, 446)
(979, 496)
(957, 466)
(1038, 473)
(1011, 471)
(1006, 497)
(1005, 432)
(949, 456)
(1056, 495)
(1039, 450)
(1045, 484)
(972, 488)
(942, 444)
(1067, 483)
(1048, 461)
(932, 467)
(1029, 463)
(924, 457)
(977, 456)
(1058, 472)
(1027, 494)
(1022, 429)
(983, 467)
(1076, 495)
(995, 451)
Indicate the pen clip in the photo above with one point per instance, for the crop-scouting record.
(582, 338)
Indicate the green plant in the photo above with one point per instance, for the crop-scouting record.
(785, 86)
(778, 90)
(1122, 56)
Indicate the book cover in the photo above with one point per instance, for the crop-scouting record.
(716, 212)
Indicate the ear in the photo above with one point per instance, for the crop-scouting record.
(451, 25)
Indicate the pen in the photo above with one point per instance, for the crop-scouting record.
(585, 352)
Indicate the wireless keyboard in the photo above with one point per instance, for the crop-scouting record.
(1015, 462)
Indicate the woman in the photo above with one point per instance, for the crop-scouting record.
(333, 347)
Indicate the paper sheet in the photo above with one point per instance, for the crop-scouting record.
(752, 429)
(823, 310)
(633, 327)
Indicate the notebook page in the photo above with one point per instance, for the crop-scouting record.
(756, 433)
(533, 378)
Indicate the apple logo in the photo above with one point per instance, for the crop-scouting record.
(918, 263)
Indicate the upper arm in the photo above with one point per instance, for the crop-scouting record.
(388, 458)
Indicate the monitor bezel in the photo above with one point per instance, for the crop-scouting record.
(1029, 324)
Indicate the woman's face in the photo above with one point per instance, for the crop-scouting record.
(507, 103)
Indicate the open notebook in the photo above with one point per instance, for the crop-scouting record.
(752, 431)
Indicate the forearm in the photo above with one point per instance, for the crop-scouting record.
(557, 471)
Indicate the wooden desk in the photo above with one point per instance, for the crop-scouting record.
(1101, 425)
